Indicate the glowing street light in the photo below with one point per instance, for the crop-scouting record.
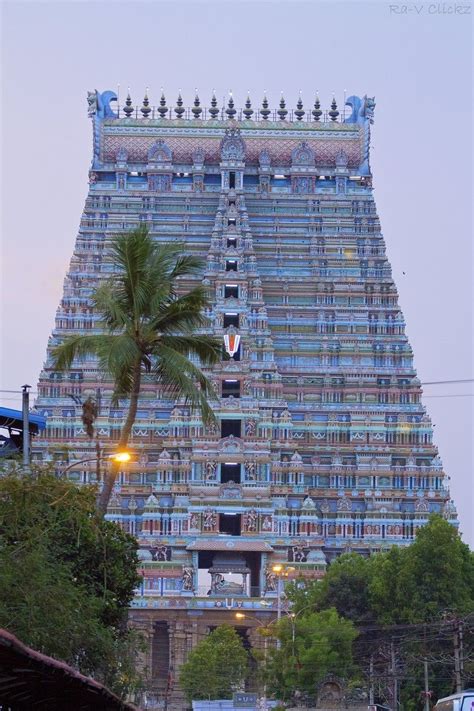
(281, 572)
(121, 456)
(118, 457)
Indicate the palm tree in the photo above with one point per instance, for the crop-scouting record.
(148, 329)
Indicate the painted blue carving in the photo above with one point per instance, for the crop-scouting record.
(122, 155)
(99, 104)
(232, 145)
(98, 109)
(103, 104)
(159, 153)
(303, 156)
(362, 114)
(264, 160)
(342, 159)
(362, 109)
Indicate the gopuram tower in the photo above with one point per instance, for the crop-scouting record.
(323, 444)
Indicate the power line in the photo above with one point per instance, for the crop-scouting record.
(459, 395)
(447, 382)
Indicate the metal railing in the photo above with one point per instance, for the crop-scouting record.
(156, 113)
(204, 591)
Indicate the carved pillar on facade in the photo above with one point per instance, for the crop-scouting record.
(145, 628)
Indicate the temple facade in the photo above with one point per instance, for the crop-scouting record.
(322, 444)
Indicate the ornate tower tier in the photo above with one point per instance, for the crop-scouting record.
(323, 444)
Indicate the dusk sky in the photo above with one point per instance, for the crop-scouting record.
(416, 63)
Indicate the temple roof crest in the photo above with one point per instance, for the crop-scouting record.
(232, 145)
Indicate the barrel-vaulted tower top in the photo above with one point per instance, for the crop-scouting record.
(325, 142)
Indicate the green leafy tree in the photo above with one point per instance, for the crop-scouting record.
(429, 581)
(67, 577)
(345, 587)
(434, 575)
(216, 667)
(313, 645)
(149, 331)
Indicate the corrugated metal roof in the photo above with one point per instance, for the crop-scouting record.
(14, 418)
(234, 544)
(30, 679)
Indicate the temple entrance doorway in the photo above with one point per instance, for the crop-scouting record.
(229, 573)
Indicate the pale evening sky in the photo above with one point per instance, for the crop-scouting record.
(417, 64)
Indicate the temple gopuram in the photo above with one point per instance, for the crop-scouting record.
(322, 444)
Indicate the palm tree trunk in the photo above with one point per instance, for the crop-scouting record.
(110, 475)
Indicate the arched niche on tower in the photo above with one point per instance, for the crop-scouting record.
(232, 164)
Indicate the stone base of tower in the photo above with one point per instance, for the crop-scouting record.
(169, 637)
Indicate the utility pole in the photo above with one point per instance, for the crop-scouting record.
(457, 660)
(427, 686)
(394, 675)
(279, 594)
(25, 406)
(371, 680)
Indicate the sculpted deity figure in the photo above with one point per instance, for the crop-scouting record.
(210, 469)
(91, 103)
(194, 521)
(210, 520)
(161, 553)
(251, 520)
(188, 581)
(299, 554)
(247, 387)
(212, 429)
(250, 471)
(270, 580)
(250, 428)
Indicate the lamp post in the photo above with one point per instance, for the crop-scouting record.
(292, 616)
(25, 406)
(281, 572)
(263, 625)
(120, 457)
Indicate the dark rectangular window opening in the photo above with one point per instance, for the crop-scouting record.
(231, 388)
(229, 524)
(231, 320)
(232, 241)
(231, 292)
(231, 265)
(231, 221)
(230, 472)
(231, 427)
(232, 179)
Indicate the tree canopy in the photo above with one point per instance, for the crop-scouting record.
(216, 667)
(148, 330)
(421, 589)
(313, 645)
(414, 584)
(66, 576)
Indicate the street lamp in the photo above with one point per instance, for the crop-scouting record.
(281, 572)
(118, 457)
(262, 625)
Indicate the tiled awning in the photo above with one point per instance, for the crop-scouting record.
(31, 679)
(233, 544)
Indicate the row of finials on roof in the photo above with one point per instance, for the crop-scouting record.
(230, 111)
